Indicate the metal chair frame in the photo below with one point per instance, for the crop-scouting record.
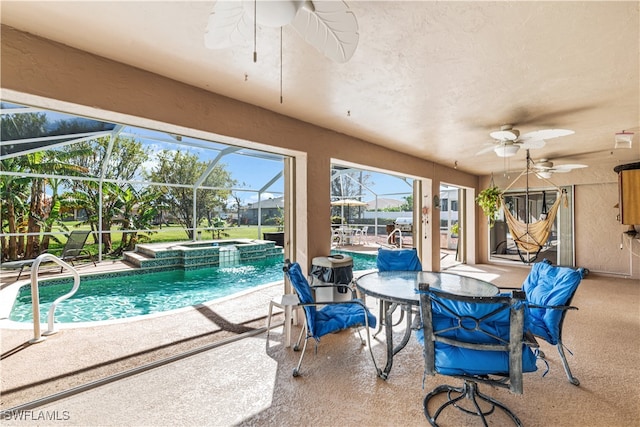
(469, 392)
(559, 344)
(306, 332)
(72, 249)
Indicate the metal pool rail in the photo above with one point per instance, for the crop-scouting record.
(35, 295)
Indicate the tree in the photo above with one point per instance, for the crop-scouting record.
(15, 190)
(137, 213)
(14, 193)
(349, 185)
(123, 164)
(186, 169)
(24, 126)
(407, 206)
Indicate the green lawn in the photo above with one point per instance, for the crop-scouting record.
(168, 233)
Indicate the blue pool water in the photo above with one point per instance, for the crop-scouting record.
(135, 295)
(360, 261)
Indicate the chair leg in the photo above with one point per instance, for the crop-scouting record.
(368, 343)
(573, 380)
(470, 392)
(302, 333)
(296, 370)
(271, 304)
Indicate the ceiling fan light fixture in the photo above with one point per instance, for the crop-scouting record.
(508, 150)
(623, 139)
(274, 14)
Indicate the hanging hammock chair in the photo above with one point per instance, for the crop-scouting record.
(531, 237)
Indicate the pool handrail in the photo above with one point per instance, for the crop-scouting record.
(398, 242)
(35, 295)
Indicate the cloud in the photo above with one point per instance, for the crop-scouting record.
(254, 197)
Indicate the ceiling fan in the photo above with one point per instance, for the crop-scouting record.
(328, 26)
(507, 141)
(544, 168)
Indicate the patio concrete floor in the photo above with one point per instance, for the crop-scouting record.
(212, 365)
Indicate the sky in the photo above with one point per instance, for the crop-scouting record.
(255, 172)
(251, 171)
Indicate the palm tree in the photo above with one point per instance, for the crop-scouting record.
(13, 194)
(138, 213)
(45, 162)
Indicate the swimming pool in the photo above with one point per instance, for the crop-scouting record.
(361, 261)
(118, 297)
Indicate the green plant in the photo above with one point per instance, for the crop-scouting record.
(337, 219)
(489, 200)
(455, 229)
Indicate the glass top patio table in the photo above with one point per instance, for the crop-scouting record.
(398, 288)
(401, 286)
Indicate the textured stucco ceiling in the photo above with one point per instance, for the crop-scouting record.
(428, 78)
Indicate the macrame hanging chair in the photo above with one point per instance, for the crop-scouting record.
(530, 237)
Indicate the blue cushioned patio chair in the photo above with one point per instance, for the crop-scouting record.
(330, 318)
(549, 290)
(396, 259)
(478, 340)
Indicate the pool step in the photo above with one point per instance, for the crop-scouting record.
(137, 259)
(193, 255)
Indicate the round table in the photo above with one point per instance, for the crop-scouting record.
(401, 286)
(395, 288)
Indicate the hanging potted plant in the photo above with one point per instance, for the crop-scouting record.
(489, 200)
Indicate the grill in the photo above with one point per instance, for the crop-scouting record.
(404, 224)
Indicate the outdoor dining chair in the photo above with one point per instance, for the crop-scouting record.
(337, 237)
(549, 290)
(396, 259)
(326, 317)
(479, 340)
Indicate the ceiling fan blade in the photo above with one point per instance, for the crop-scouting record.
(568, 167)
(330, 27)
(546, 134)
(487, 149)
(228, 26)
(533, 143)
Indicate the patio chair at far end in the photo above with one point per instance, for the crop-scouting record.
(396, 259)
(549, 290)
(479, 340)
(73, 249)
(333, 316)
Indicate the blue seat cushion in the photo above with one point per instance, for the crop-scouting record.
(332, 317)
(548, 285)
(452, 360)
(336, 317)
(403, 259)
